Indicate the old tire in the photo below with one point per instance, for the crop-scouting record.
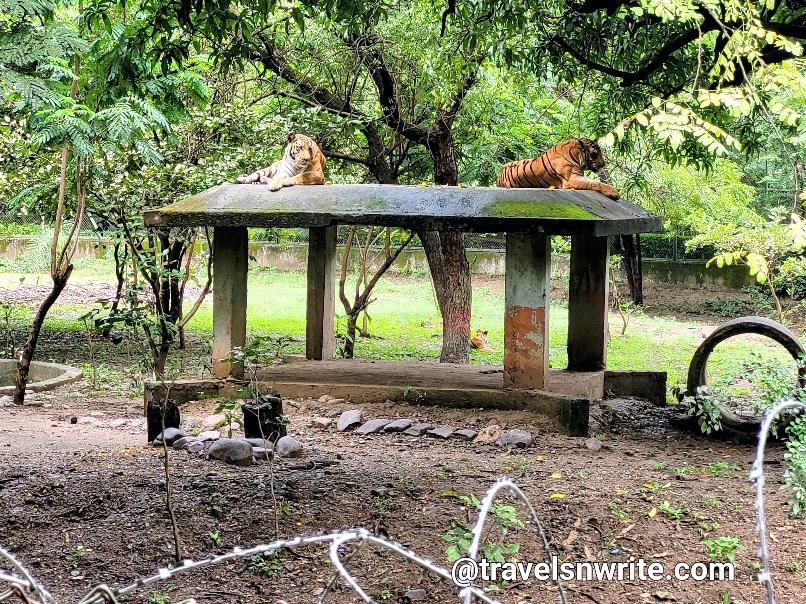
(742, 325)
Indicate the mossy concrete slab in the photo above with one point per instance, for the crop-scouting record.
(42, 376)
(475, 209)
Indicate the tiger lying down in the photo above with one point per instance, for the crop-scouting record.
(561, 167)
(303, 164)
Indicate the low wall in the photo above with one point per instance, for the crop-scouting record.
(691, 273)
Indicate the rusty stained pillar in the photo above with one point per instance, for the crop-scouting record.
(321, 304)
(230, 265)
(526, 319)
(588, 288)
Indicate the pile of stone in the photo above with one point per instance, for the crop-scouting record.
(353, 420)
(237, 451)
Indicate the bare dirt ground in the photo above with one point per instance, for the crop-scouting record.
(84, 503)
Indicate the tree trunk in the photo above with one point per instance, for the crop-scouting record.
(447, 261)
(24, 364)
(349, 344)
(632, 264)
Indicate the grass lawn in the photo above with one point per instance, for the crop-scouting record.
(405, 324)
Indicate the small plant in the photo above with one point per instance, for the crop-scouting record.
(268, 565)
(705, 406)
(387, 594)
(618, 512)
(505, 517)
(158, 599)
(75, 558)
(230, 406)
(723, 548)
(684, 470)
(215, 538)
(795, 473)
(673, 513)
(721, 469)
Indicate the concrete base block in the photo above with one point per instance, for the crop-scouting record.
(650, 385)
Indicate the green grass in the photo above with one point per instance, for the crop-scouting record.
(406, 325)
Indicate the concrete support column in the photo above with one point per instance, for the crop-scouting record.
(526, 319)
(588, 289)
(230, 265)
(321, 306)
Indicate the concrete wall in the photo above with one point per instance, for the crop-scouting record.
(482, 262)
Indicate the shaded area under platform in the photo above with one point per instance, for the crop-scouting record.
(565, 402)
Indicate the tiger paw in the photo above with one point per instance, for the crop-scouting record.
(275, 184)
(610, 192)
(242, 179)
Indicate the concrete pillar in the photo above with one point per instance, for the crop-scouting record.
(321, 306)
(526, 319)
(588, 288)
(230, 265)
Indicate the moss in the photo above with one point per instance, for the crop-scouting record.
(531, 209)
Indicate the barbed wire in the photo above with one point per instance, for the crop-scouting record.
(22, 584)
(757, 476)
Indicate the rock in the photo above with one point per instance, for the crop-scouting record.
(235, 451)
(440, 433)
(209, 435)
(398, 425)
(6, 400)
(129, 410)
(349, 419)
(325, 398)
(418, 429)
(490, 434)
(169, 435)
(466, 434)
(73, 420)
(288, 446)
(212, 421)
(416, 595)
(520, 439)
(593, 444)
(323, 423)
(85, 420)
(258, 442)
(118, 423)
(336, 401)
(196, 446)
(261, 453)
(373, 426)
(181, 443)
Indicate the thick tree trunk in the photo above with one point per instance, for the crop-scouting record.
(447, 261)
(24, 364)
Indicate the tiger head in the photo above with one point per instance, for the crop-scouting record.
(301, 150)
(590, 155)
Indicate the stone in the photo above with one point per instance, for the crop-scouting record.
(261, 453)
(97, 414)
(373, 426)
(257, 442)
(416, 595)
(490, 434)
(288, 446)
(520, 439)
(234, 451)
(593, 444)
(440, 433)
(212, 421)
(323, 423)
(398, 425)
(325, 398)
(85, 420)
(169, 435)
(418, 429)
(117, 423)
(349, 419)
(6, 400)
(181, 443)
(209, 435)
(466, 434)
(196, 446)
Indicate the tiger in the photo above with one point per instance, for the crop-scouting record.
(480, 341)
(561, 167)
(303, 163)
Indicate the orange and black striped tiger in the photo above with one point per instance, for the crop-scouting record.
(303, 163)
(561, 167)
